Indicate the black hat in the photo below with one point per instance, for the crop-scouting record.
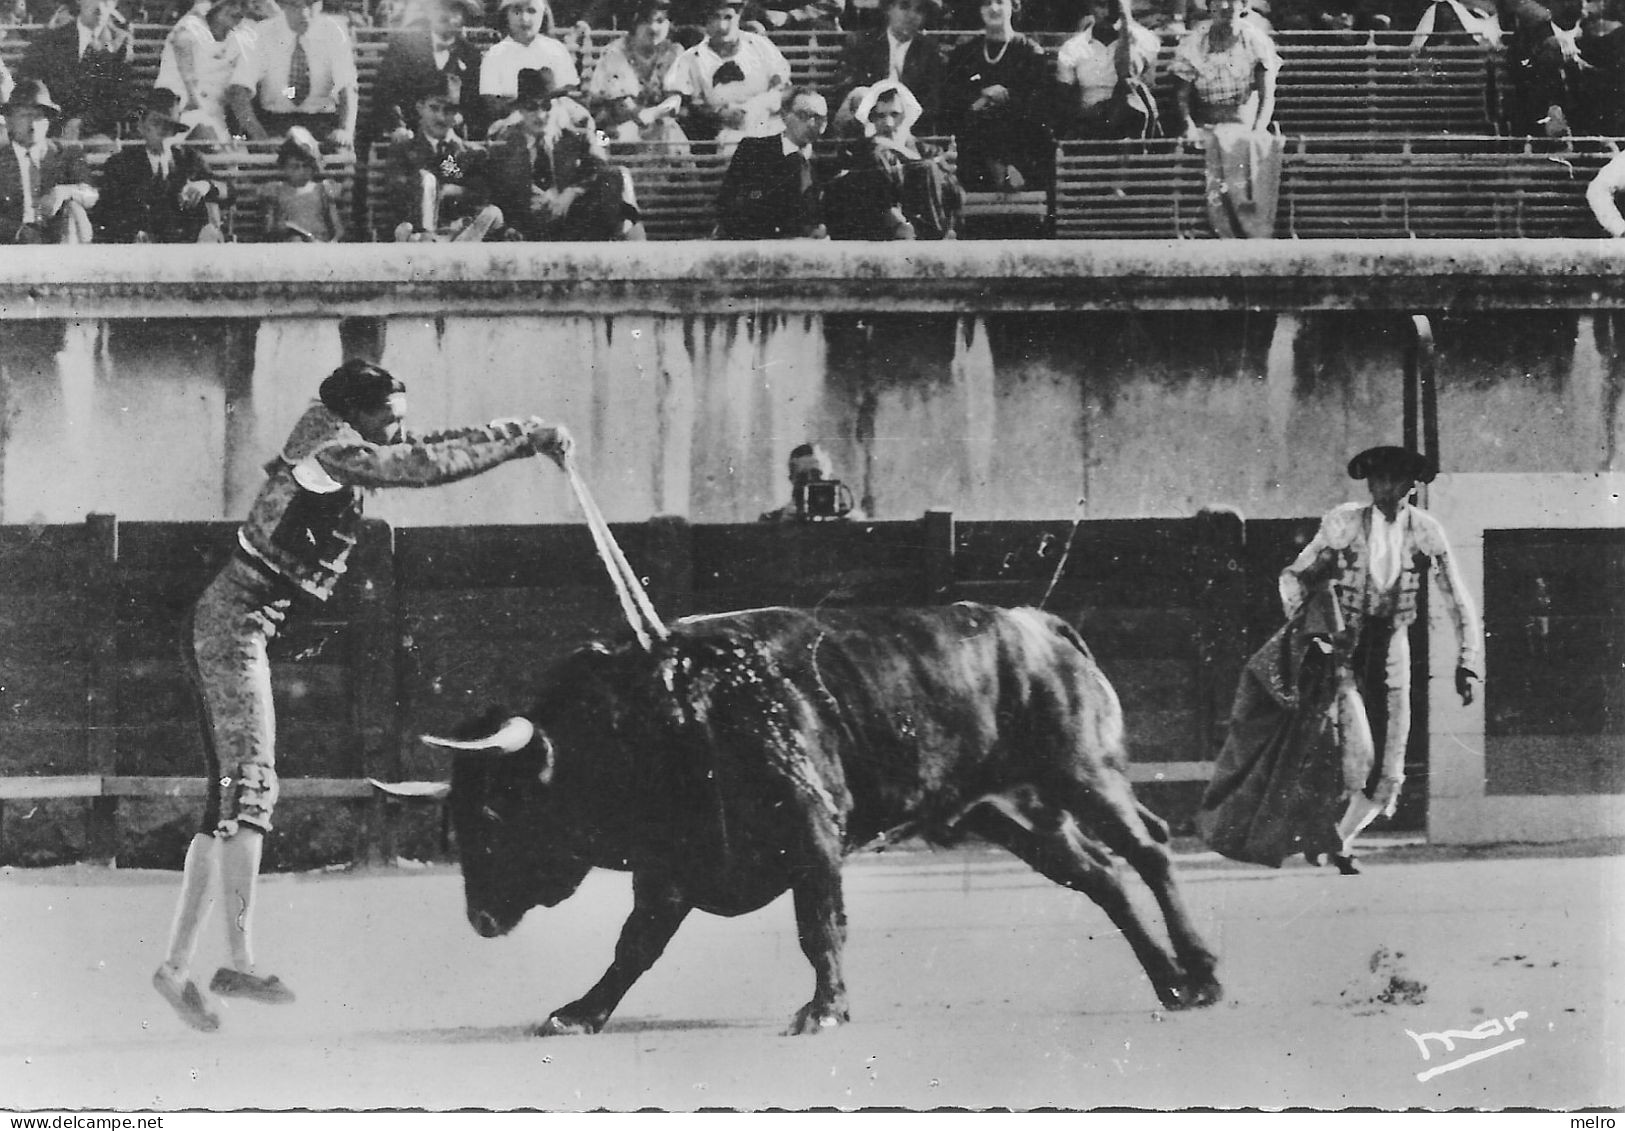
(645, 10)
(162, 104)
(436, 86)
(359, 385)
(537, 87)
(1387, 458)
(31, 93)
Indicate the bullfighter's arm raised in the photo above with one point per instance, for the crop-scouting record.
(443, 457)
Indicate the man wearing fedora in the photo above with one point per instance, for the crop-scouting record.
(439, 184)
(417, 57)
(528, 46)
(301, 72)
(1373, 556)
(158, 193)
(550, 176)
(45, 188)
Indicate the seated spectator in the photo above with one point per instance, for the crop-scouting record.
(419, 58)
(439, 184)
(549, 174)
(1603, 196)
(732, 82)
(1579, 79)
(301, 72)
(86, 62)
(1109, 66)
(45, 189)
(1224, 72)
(1529, 24)
(769, 190)
(898, 51)
(526, 48)
(997, 100)
(303, 206)
(627, 91)
(893, 186)
(204, 49)
(794, 15)
(157, 193)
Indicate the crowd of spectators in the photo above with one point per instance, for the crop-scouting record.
(508, 142)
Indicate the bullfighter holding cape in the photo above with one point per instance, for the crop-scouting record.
(1322, 714)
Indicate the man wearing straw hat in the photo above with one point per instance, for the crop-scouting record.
(292, 549)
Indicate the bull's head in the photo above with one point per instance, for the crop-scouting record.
(505, 818)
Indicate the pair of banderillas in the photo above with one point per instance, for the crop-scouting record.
(635, 604)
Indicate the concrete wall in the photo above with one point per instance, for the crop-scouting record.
(1461, 808)
(996, 415)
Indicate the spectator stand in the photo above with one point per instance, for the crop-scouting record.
(1428, 186)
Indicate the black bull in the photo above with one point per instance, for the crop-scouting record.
(751, 751)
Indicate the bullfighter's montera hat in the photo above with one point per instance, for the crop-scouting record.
(1392, 460)
(359, 385)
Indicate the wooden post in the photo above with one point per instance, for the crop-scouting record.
(1219, 593)
(375, 677)
(101, 681)
(937, 531)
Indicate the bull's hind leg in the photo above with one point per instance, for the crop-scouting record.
(658, 909)
(1113, 814)
(1049, 840)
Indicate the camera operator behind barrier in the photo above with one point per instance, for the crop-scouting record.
(814, 496)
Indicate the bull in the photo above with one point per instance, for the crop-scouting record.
(751, 751)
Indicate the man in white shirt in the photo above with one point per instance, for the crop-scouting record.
(300, 71)
(732, 81)
(525, 49)
(45, 189)
(1110, 48)
(1603, 196)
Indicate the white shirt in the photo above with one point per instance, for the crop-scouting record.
(1387, 546)
(896, 49)
(1600, 194)
(27, 156)
(758, 60)
(214, 60)
(499, 72)
(1091, 66)
(264, 66)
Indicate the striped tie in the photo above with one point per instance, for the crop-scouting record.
(298, 74)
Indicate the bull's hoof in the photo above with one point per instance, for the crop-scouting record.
(816, 1019)
(560, 1026)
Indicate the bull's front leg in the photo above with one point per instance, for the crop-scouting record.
(658, 909)
(821, 923)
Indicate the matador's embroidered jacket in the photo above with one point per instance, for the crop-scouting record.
(303, 522)
(1340, 553)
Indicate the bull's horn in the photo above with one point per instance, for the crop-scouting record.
(510, 738)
